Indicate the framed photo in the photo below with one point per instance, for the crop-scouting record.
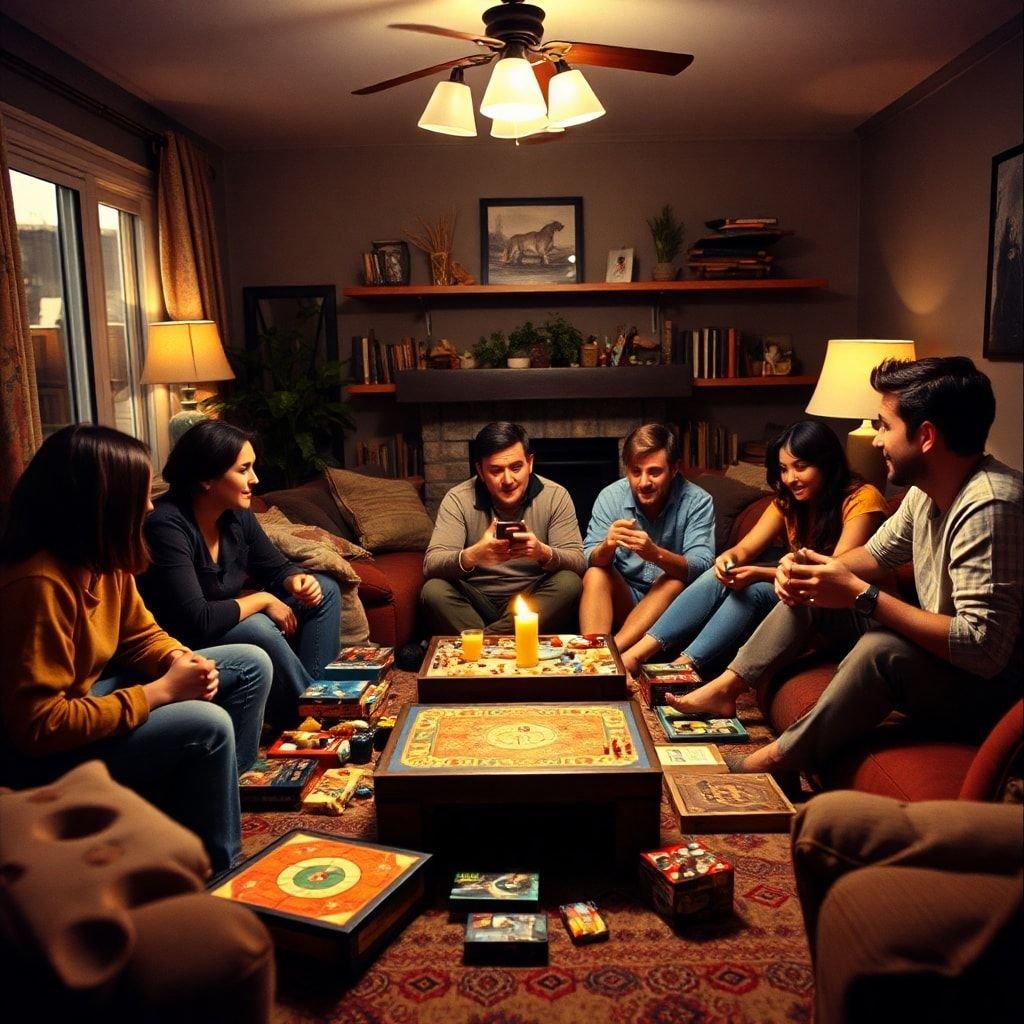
(392, 260)
(1004, 308)
(620, 266)
(531, 241)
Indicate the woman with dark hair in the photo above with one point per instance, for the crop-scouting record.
(207, 547)
(72, 612)
(818, 504)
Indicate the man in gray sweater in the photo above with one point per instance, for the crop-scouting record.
(476, 564)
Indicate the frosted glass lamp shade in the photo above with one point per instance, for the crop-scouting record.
(184, 352)
(571, 101)
(450, 110)
(518, 129)
(844, 388)
(513, 93)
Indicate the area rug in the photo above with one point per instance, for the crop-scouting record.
(751, 968)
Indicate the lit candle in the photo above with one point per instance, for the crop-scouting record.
(527, 638)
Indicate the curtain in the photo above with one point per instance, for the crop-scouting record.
(189, 257)
(20, 429)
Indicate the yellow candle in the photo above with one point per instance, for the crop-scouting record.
(527, 635)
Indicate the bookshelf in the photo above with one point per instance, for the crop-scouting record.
(792, 381)
(636, 288)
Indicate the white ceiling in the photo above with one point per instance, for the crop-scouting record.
(260, 74)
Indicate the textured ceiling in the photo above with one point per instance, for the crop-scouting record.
(260, 74)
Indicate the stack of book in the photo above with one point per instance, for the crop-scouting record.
(707, 445)
(376, 362)
(737, 248)
(395, 455)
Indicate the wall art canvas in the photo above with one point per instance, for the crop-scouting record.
(1004, 298)
(531, 241)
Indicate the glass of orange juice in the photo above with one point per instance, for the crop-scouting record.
(472, 644)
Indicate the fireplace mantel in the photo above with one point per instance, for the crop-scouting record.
(551, 382)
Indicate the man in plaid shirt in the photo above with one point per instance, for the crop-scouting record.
(956, 660)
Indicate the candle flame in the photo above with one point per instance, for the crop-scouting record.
(521, 607)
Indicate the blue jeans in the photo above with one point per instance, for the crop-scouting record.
(711, 620)
(186, 757)
(316, 641)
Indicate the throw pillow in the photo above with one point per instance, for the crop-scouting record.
(730, 497)
(317, 550)
(750, 474)
(388, 514)
(312, 503)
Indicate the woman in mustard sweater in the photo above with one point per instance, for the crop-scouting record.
(85, 671)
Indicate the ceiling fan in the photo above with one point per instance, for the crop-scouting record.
(533, 91)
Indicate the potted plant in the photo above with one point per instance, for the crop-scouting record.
(528, 342)
(564, 340)
(667, 233)
(492, 351)
(291, 401)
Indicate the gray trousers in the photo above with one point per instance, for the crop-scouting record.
(883, 672)
(450, 606)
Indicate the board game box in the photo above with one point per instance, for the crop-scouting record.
(334, 698)
(323, 746)
(728, 803)
(328, 896)
(277, 784)
(333, 790)
(367, 662)
(501, 891)
(656, 679)
(680, 727)
(584, 923)
(513, 939)
(685, 882)
(700, 759)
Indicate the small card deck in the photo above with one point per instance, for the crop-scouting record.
(685, 882)
(497, 891)
(583, 922)
(511, 939)
(685, 728)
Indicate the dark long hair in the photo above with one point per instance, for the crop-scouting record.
(204, 452)
(82, 497)
(813, 443)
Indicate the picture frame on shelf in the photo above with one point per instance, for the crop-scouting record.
(531, 241)
(393, 259)
(1004, 309)
(620, 266)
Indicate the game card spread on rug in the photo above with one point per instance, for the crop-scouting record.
(729, 803)
(532, 736)
(559, 655)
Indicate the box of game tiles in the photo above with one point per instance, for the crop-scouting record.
(328, 897)
(277, 784)
(656, 679)
(360, 663)
(333, 790)
(320, 745)
(334, 698)
(494, 890)
(685, 882)
(680, 727)
(515, 940)
(728, 803)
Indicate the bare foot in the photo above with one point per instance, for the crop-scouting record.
(767, 759)
(716, 698)
(683, 659)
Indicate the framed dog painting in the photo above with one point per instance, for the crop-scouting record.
(531, 241)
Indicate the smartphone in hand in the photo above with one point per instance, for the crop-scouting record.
(504, 528)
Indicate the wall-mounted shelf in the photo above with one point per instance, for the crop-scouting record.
(796, 381)
(369, 389)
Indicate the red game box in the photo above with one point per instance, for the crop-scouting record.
(685, 882)
(655, 680)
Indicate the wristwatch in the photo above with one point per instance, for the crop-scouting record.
(866, 601)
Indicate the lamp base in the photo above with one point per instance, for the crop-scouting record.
(864, 458)
(182, 421)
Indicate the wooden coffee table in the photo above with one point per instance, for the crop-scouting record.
(572, 668)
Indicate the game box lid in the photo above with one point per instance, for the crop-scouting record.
(728, 803)
(494, 890)
(506, 938)
(365, 662)
(320, 745)
(685, 728)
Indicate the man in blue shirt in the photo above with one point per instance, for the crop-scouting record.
(650, 534)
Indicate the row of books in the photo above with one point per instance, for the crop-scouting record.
(376, 362)
(396, 456)
(377, 269)
(708, 445)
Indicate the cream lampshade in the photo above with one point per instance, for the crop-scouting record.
(571, 101)
(185, 352)
(450, 109)
(844, 392)
(513, 93)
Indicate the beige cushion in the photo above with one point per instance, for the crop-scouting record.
(316, 550)
(388, 514)
(749, 474)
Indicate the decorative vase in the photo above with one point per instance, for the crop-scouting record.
(518, 362)
(441, 268)
(588, 353)
(663, 272)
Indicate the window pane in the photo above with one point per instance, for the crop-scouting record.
(118, 231)
(48, 239)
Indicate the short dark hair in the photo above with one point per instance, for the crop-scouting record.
(948, 391)
(204, 452)
(648, 438)
(498, 436)
(82, 497)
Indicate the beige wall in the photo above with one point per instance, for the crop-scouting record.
(304, 217)
(925, 190)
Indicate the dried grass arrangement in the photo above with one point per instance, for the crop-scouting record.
(436, 242)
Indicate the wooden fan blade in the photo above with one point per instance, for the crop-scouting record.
(544, 71)
(628, 58)
(422, 73)
(451, 33)
(541, 138)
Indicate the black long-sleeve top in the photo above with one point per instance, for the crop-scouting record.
(190, 594)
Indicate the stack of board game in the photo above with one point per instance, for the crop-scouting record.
(367, 662)
(656, 679)
(277, 784)
(685, 882)
(728, 803)
(680, 727)
(501, 938)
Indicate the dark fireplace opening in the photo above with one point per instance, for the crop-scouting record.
(584, 466)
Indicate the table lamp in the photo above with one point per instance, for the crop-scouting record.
(844, 392)
(185, 352)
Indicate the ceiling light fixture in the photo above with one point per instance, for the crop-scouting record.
(571, 101)
(513, 93)
(450, 108)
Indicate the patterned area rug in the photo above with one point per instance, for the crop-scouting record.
(752, 968)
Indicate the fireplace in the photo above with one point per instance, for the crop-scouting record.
(584, 466)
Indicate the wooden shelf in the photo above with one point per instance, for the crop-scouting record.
(639, 288)
(369, 389)
(802, 381)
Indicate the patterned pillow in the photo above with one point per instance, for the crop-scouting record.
(388, 514)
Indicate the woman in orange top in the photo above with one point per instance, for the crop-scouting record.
(818, 503)
(86, 672)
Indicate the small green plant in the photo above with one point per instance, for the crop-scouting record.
(524, 338)
(564, 340)
(667, 233)
(492, 351)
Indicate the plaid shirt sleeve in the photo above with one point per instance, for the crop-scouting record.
(892, 544)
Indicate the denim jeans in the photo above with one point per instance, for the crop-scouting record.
(186, 757)
(711, 620)
(316, 642)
